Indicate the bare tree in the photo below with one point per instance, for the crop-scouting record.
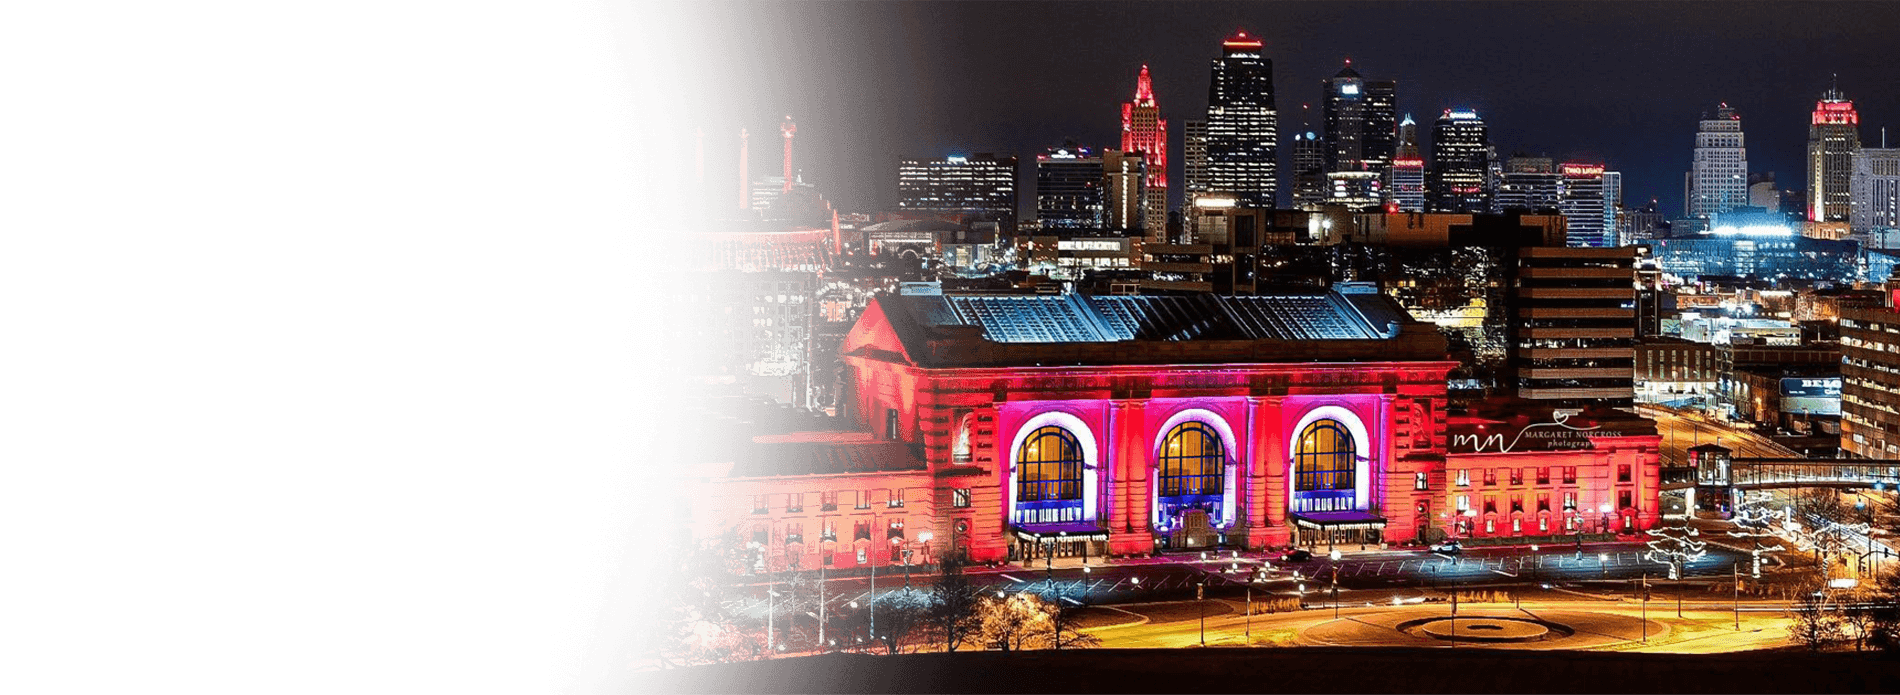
(954, 609)
(1813, 624)
(704, 622)
(899, 617)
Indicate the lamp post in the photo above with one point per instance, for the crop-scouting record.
(1603, 563)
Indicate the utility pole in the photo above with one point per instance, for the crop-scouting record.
(1737, 568)
(1200, 598)
(821, 602)
(873, 597)
(1646, 606)
(771, 612)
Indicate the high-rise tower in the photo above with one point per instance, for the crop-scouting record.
(1460, 164)
(1718, 178)
(1405, 182)
(1193, 157)
(1345, 111)
(1309, 165)
(1144, 131)
(1833, 140)
(787, 128)
(1242, 124)
(1382, 124)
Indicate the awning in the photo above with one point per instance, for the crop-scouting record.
(1082, 531)
(1339, 520)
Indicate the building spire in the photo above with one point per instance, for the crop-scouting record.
(1144, 88)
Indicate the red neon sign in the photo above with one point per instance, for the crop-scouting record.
(1583, 170)
(1240, 40)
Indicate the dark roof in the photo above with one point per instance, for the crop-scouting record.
(827, 458)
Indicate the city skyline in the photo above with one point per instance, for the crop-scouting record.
(1538, 104)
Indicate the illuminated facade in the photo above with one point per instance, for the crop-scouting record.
(1529, 183)
(1361, 129)
(1582, 201)
(1069, 188)
(1460, 180)
(1718, 178)
(1309, 171)
(1833, 140)
(1870, 379)
(1573, 335)
(1876, 193)
(1013, 427)
(1194, 157)
(983, 185)
(1144, 131)
(1405, 180)
(1243, 125)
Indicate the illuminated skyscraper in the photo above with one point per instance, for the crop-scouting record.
(983, 185)
(1345, 109)
(1382, 125)
(1144, 131)
(1529, 183)
(1460, 164)
(1069, 188)
(1718, 178)
(1581, 200)
(1309, 165)
(1405, 182)
(1123, 176)
(1876, 190)
(1242, 125)
(1833, 140)
(1193, 157)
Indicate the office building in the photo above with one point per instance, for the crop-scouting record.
(1405, 180)
(1358, 191)
(1870, 379)
(1343, 104)
(1582, 203)
(1529, 183)
(1876, 194)
(1146, 132)
(1718, 177)
(1573, 333)
(1194, 157)
(1461, 156)
(1069, 188)
(981, 185)
(1124, 184)
(1833, 140)
(1612, 205)
(1309, 171)
(1243, 125)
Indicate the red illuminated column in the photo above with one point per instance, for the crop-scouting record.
(787, 129)
(1130, 529)
(1270, 455)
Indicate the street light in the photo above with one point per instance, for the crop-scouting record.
(1603, 563)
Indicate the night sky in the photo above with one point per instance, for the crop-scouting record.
(1622, 83)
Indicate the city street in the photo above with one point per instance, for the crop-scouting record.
(1681, 431)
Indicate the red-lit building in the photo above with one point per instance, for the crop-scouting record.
(1008, 427)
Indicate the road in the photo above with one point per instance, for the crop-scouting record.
(1681, 431)
(1387, 572)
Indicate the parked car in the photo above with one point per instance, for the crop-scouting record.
(1447, 547)
(1297, 555)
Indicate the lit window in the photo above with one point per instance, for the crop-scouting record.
(1049, 466)
(960, 497)
(1464, 477)
(1193, 462)
(1325, 461)
(1418, 481)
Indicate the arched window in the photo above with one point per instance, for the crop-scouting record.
(1192, 461)
(1325, 457)
(1049, 466)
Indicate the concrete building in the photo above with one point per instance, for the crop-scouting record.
(1870, 380)
(1875, 190)
(982, 185)
(1194, 157)
(1575, 324)
(1833, 140)
(1718, 177)
(1125, 176)
(1582, 200)
(1069, 188)
(1529, 183)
